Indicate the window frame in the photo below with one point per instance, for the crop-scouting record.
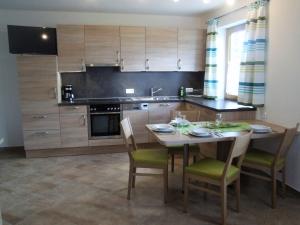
(229, 31)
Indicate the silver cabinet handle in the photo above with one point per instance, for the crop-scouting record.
(75, 107)
(122, 64)
(55, 92)
(42, 133)
(147, 64)
(164, 104)
(118, 58)
(40, 117)
(83, 120)
(179, 64)
(83, 65)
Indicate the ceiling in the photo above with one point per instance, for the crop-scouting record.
(165, 7)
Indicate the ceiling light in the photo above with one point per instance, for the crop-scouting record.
(176, 0)
(44, 36)
(230, 2)
(206, 1)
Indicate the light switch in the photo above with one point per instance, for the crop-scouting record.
(129, 91)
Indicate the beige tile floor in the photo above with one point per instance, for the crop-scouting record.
(91, 190)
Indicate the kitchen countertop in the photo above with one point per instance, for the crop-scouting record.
(216, 105)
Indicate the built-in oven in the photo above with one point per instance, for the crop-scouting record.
(104, 121)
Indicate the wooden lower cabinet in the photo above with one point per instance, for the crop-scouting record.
(74, 128)
(138, 120)
(41, 139)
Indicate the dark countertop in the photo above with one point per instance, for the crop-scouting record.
(216, 105)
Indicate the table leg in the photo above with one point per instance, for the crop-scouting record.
(185, 162)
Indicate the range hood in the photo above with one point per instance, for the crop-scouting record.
(102, 65)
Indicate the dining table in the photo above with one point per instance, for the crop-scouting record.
(182, 136)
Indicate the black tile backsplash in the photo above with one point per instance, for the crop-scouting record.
(102, 82)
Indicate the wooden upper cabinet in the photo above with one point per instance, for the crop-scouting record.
(37, 84)
(102, 45)
(191, 49)
(161, 49)
(70, 46)
(133, 48)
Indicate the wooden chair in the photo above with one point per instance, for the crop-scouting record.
(270, 164)
(143, 158)
(191, 116)
(217, 173)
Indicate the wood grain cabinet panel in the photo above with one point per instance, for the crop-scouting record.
(191, 49)
(102, 45)
(73, 109)
(138, 120)
(70, 47)
(133, 40)
(161, 49)
(38, 84)
(40, 122)
(41, 139)
(74, 130)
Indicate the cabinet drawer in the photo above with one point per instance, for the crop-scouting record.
(73, 109)
(42, 139)
(40, 121)
(39, 107)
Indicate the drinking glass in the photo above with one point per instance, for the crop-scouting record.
(219, 119)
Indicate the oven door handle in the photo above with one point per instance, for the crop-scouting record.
(105, 113)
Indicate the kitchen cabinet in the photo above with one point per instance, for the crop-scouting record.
(161, 113)
(102, 45)
(161, 49)
(70, 48)
(133, 40)
(191, 49)
(73, 125)
(38, 97)
(138, 120)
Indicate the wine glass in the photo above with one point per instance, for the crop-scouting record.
(219, 119)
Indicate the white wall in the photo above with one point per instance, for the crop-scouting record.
(283, 70)
(10, 116)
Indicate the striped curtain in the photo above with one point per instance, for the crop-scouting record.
(252, 72)
(210, 80)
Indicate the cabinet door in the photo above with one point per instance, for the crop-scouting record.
(74, 131)
(41, 139)
(191, 49)
(102, 45)
(37, 84)
(161, 112)
(70, 47)
(161, 49)
(133, 48)
(138, 119)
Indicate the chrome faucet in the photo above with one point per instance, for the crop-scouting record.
(154, 91)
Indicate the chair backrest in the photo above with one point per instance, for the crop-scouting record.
(286, 142)
(192, 116)
(128, 135)
(238, 150)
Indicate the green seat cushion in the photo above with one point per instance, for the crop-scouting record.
(151, 156)
(179, 149)
(262, 158)
(211, 168)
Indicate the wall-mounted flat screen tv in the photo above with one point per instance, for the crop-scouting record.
(32, 40)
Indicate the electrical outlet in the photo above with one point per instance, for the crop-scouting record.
(129, 91)
(189, 90)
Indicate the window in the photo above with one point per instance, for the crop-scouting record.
(235, 38)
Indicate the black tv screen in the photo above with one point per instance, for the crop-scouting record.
(32, 40)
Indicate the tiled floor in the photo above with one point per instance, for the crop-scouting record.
(91, 190)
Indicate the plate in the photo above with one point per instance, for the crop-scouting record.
(183, 123)
(200, 132)
(164, 128)
(258, 128)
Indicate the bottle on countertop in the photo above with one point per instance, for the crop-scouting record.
(181, 92)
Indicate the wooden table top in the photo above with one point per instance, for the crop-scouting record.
(177, 138)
